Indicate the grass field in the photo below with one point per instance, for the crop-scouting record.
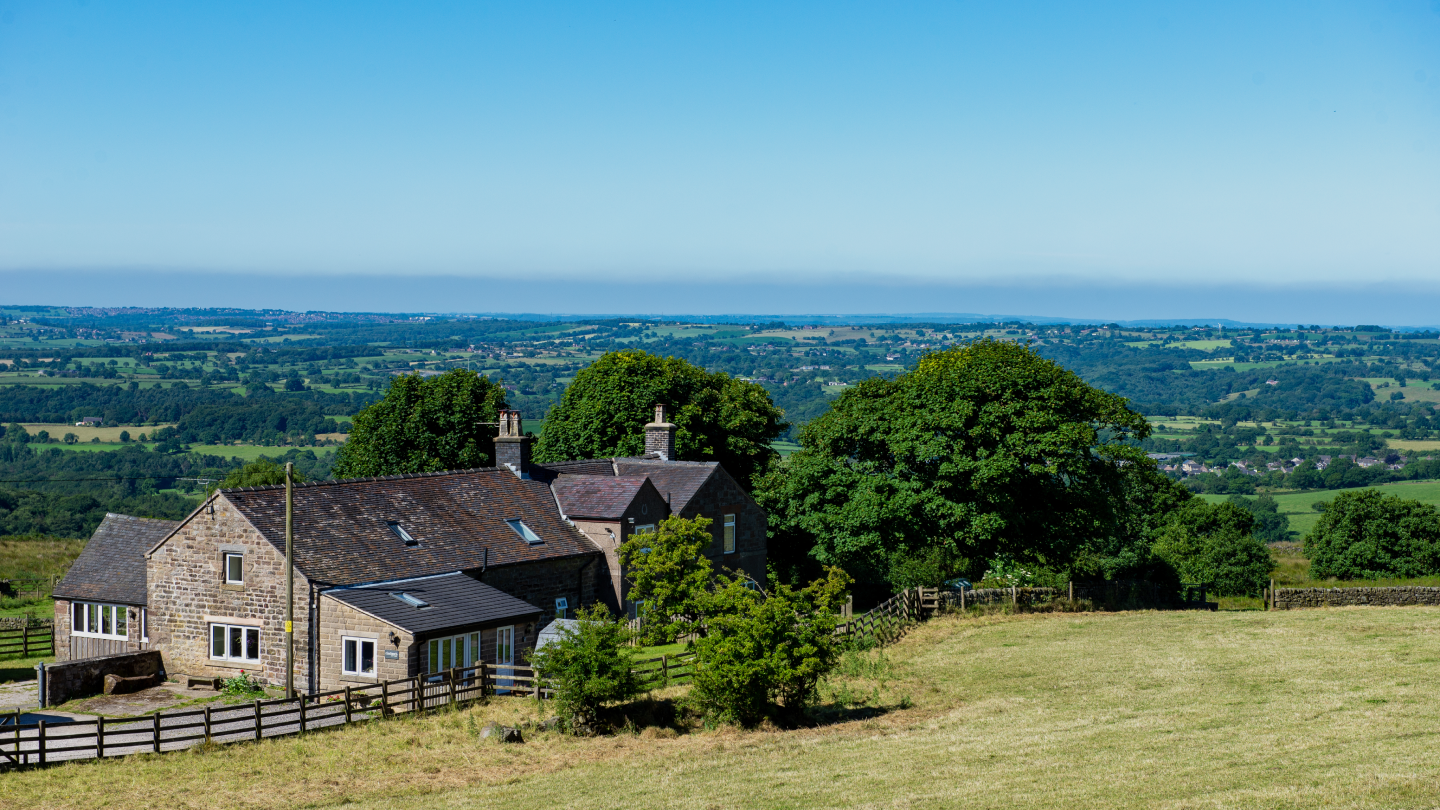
(85, 434)
(1180, 710)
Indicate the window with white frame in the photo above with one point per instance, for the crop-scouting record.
(94, 620)
(359, 656)
(233, 642)
(234, 568)
(729, 534)
(144, 625)
(453, 651)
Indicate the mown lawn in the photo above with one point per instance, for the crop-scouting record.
(1326, 708)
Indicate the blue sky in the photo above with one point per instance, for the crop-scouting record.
(1187, 154)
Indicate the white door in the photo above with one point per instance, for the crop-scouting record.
(504, 658)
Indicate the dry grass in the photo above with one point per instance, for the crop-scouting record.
(85, 434)
(1332, 708)
(37, 557)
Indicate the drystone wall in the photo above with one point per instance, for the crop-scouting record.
(75, 679)
(1287, 598)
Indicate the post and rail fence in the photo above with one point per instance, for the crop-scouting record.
(41, 743)
(30, 640)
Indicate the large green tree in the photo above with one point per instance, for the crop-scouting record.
(670, 574)
(1367, 535)
(1216, 544)
(424, 425)
(717, 417)
(981, 450)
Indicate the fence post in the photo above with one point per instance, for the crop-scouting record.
(416, 694)
(664, 670)
(1272, 594)
(302, 713)
(1072, 591)
(100, 737)
(207, 724)
(25, 640)
(40, 738)
(451, 679)
(384, 699)
(257, 720)
(156, 731)
(482, 674)
(347, 705)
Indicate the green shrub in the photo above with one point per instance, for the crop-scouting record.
(1367, 535)
(1214, 543)
(587, 667)
(766, 651)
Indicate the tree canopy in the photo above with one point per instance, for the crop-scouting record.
(259, 473)
(982, 450)
(717, 417)
(669, 573)
(1215, 543)
(1367, 535)
(425, 425)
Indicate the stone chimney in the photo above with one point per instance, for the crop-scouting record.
(660, 434)
(512, 446)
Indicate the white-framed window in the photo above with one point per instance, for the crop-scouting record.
(98, 621)
(234, 642)
(359, 656)
(648, 528)
(144, 625)
(505, 645)
(729, 534)
(234, 566)
(453, 651)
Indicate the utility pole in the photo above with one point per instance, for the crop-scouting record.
(289, 580)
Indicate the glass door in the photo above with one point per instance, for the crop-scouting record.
(504, 659)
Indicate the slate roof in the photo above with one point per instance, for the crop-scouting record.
(676, 480)
(112, 566)
(343, 536)
(597, 496)
(455, 600)
(594, 466)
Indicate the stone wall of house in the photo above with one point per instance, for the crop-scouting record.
(1287, 598)
(581, 580)
(338, 620)
(607, 535)
(721, 495)
(68, 646)
(187, 593)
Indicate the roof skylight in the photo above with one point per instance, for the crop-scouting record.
(524, 531)
(411, 599)
(403, 535)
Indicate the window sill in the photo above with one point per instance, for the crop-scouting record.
(99, 636)
(371, 679)
(226, 663)
(232, 586)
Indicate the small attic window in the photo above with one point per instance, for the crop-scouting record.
(524, 531)
(411, 599)
(403, 535)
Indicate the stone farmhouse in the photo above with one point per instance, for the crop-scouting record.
(394, 576)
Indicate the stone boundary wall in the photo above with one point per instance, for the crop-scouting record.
(1287, 598)
(86, 676)
(990, 596)
(19, 622)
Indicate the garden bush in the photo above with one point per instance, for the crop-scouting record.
(587, 667)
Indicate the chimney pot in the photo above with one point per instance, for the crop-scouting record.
(512, 446)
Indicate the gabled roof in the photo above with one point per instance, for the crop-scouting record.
(343, 533)
(112, 566)
(600, 497)
(452, 601)
(677, 481)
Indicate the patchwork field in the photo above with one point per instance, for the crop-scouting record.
(1182, 710)
(1303, 517)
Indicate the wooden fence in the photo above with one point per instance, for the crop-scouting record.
(41, 743)
(887, 622)
(28, 587)
(27, 642)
